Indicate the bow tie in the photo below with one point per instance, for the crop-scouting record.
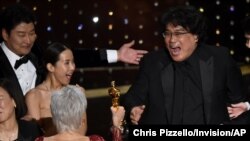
(21, 61)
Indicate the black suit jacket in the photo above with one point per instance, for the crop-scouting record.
(84, 57)
(7, 71)
(221, 84)
(90, 57)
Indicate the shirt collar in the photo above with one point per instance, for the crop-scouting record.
(12, 57)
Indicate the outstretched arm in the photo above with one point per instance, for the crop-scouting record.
(129, 55)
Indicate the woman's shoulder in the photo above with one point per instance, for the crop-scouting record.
(38, 91)
(96, 138)
(35, 91)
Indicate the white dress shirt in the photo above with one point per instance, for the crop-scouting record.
(112, 56)
(248, 106)
(26, 73)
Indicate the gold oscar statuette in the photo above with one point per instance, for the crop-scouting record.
(115, 94)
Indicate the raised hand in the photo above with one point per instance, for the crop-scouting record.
(129, 55)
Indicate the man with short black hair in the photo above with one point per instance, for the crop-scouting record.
(21, 66)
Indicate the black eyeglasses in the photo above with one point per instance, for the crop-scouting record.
(168, 34)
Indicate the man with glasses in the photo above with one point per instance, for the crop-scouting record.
(188, 82)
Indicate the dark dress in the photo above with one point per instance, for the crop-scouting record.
(28, 130)
(47, 126)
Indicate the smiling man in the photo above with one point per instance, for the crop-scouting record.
(20, 65)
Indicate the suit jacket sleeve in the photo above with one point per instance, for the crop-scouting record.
(234, 81)
(90, 57)
(137, 93)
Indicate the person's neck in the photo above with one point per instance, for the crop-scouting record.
(50, 84)
(9, 130)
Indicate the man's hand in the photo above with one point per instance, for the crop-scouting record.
(129, 55)
(236, 109)
(136, 113)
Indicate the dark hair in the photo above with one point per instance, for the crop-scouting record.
(52, 53)
(14, 15)
(187, 17)
(246, 25)
(7, 85)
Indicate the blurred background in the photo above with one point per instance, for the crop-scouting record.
(95, 24)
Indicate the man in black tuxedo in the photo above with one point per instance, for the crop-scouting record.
(188, 82)
(22, 67)
(243, 107)
(18, 34)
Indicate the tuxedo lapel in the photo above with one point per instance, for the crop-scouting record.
(167, 79)
(207, 76)
(7, 71)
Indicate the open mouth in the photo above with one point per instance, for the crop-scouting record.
(175, 50)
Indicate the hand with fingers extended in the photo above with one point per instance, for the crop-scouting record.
(127, 54)
(136, 113)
